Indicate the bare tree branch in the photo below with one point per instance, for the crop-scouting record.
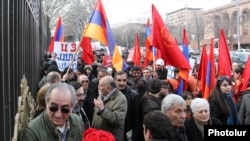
(75, 14)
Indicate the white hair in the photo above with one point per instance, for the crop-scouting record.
(170, 100)
(197, 103)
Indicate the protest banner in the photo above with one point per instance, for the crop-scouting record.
(64, 53)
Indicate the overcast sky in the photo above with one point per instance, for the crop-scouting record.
(120, 10)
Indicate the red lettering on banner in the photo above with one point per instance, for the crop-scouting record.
(64, 47)
(73, 47)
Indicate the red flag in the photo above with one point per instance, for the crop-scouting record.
(157, 54)
(107, 61)
(149, 53)
(137, 52)
(58, 35)
(203, 68)
(224, 59)
(245, 76)
(163, 40)
(210, 74)
(87, 53)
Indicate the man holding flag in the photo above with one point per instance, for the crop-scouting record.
(160, 69)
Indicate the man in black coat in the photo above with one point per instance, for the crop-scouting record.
(95, 82)
(88, 105)
(152, 99)
(133, 121)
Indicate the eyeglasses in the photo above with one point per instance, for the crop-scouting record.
(63, 110)
(85, 81)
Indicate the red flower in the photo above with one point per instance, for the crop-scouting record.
(92, 134)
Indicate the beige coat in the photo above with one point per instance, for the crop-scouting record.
(112, 118)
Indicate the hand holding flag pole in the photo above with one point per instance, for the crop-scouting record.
(73, 58)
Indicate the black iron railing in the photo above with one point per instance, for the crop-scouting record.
(23, 42)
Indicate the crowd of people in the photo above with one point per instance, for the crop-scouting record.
(137, 104)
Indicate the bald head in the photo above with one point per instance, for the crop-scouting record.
(53, 77)
(84, 80)
(108, 80)
(106, 85)
(83, 76)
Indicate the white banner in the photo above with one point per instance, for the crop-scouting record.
(64, 54)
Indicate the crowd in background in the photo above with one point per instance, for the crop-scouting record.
(137, 104)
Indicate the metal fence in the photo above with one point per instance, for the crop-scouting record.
(23, 42)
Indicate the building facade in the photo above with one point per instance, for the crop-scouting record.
(181, 16)
(226, 17)
(191, 20)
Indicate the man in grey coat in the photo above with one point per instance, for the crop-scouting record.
(244, 110)
(110, 108)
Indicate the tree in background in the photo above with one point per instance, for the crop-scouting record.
(74, 13)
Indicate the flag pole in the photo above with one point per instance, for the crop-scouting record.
(73, 58)
(196, 85)
(153, 58)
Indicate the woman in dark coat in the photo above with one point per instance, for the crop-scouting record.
(201, 116)
(222, 105)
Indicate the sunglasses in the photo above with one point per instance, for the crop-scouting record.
(85, 81)
(63, 110)
(222, 78)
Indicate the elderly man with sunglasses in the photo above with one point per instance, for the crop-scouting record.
(57, 122)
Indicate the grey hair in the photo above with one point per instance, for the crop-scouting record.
(63, 87)
(197, 103)
(170, 100)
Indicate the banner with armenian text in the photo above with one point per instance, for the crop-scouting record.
(64, 53)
